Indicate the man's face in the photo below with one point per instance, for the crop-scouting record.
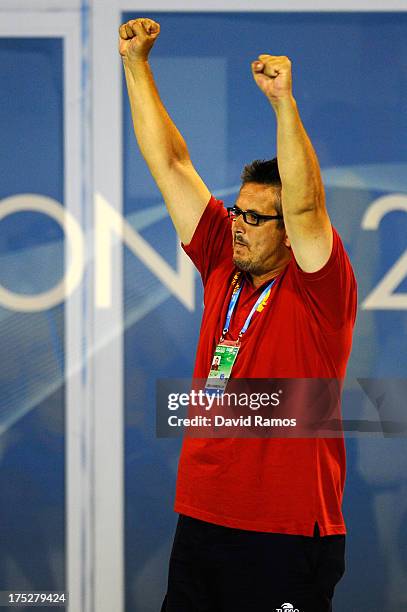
(262, 248)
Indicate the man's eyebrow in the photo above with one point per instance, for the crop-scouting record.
(251, 210)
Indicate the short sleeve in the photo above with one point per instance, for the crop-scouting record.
(331, 292)
(211, 243)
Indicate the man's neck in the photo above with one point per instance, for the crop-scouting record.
(259, 279)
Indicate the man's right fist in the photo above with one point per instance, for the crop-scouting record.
(136, 38)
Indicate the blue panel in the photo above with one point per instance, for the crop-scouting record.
(350, 82)
(32, 402)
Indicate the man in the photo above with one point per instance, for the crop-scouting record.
(260, 524)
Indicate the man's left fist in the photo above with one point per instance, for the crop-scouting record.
(272, 74)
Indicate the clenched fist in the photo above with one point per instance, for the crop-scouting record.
(136, 38)
(272, 74)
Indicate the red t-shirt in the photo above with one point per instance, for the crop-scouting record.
(271, 485)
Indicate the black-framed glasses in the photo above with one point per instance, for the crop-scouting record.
(249, 217)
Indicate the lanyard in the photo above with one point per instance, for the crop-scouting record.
(233, 302)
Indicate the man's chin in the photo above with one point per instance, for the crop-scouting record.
(246, 265)
(242, 264)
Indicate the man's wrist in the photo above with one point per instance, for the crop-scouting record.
(284, 104)
(134, 63)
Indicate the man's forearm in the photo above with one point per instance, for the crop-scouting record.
(159, 140)
(298, 164)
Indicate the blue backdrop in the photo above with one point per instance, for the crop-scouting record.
(32, 402)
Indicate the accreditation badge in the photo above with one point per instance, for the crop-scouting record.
(222, 363)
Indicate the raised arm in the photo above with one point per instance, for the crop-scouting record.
(160, 142)
(303, 198)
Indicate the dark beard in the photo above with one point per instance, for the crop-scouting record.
(249, 266)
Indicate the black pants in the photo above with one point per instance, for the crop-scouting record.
(220, 569)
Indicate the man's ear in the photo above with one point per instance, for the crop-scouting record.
(287, 242)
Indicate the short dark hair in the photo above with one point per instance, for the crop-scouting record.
(265, 172)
